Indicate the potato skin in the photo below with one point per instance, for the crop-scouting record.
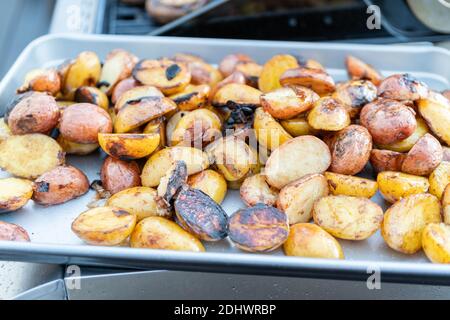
(437, 115)
(435, 242)
(37, 113)
(258, 229)
(210, 182)
(350, 150)
(76, 148)
(407, 144)
(424, 157)
(269, 78)
(82, 122)
(328, 114)
(395, 186)
(298, 127)
(41, 80)
(439, 179)
(255, 190)
(402, 87)
(316, 79)
(310, 240)
(128, 146)
(160, 233)
(92, 95)
(13, 232)
(228, 64)
(386, 160)
(268, 131)
(14, 194)
(345, 185)
(122, 87)
(354, 95)
(405, 221)
(118, 175)
(445, 201)
(360, 70)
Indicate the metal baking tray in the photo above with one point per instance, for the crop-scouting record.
(49, 227)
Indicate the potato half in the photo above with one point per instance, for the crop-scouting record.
(92, 95)
(437, 116)
(298, 126)
(386, 160)
(402, 87)
(268, 131)
(346, 185)
(255, 189)
(354, 95)
(235, 95)
(80, 149)
(13, 232)
(136, 94)
(395, 186)
(210, 182)
(407, 144)
(192, 97)
(446, 204)
(357, 69)
(42, 80)
(316, 79)
(436, 242)
(269, 78)
(14, 193)
(118, 65)
(117, 175)
(439, 179)
(329, 115)
(84, 71)
(424, 157)
(128, 146)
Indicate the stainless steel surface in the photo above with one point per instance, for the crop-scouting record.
(53, 241)
(54, 290)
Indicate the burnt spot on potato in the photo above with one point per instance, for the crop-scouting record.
(402, 87)
(172, 71)
(171, 183)
(120, 212)
(201, 215)
(258, 229)
(42, 186)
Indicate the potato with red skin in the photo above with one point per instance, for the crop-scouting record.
(13, 232)
(424, 157)
(350, 150)
(60, 185)
(34, 113)
(386, 160)
(402, 87)
(122, 87)
(228, 64)
(316, 79)
(388, 121)
(359, 70)
(82, 122)
(118, 175)
(41, 80)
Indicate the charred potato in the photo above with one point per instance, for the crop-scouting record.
(297, 198)
(424, 157)
(42, 80)
(395, 186)
(92, 95)
(192, 97)
(251, 71)
(348, 218)
(405, 221)
(13, 232)
(298, 127)
(435, 242)
(255, 189)
(346, 185)
(84, 71)
(268, 131)
(14, 194)
(60, 185)
(402, 87)
(30, 155)
(128, 146)
(354, 95)
(386, 160)
(437, 116)
(201, 71)
(160, 233)
(311, 241)
(210, 182)
(360, 70)
(269, 78)
(236, 95)
(407, 144)
(118, 66)
(136, 94)
(258, 229)
(439, 179)
(171, 183)
(229, 63)
(104, 226)
(76, 148)
(118, 175)
(329, 115)
(316, 79)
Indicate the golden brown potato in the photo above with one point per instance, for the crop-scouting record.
(122, 87)
(268, 131)
(405, 221)
(386, 160)
(228, 64)
(437, 115)
(157, 126)
(76, 148)
(251, 71)
(82, 122)
(435, 242)
(158, 163)
(14, 194)
(255, 190)
(104, 226)
(407, 144)
(446, 204)
(350, 150)
(118, 66)
(288, 102)
(235, 77)
(192, 97)
(201, 71)
(395, 186)
(354, 95)
(59, 185)
(316, 79)
(34, 113)
(168, 76)
(439, 179)
(42, 80)
(30, 155)
(295, 159)
(424, 157)
(348, 218)
(388, 121)
(128, 146)
(136, 94)
(346, 185)
(310, 240)
(92, 95)
(298, 127)
(13, 232)
(234, 95)
(201, 215)
(327, 114)
(5, 132)
(258, 229)
(310, 63)
(210, 182)
(402, 87)
(360, 70)
(84, 71)
(297, 198)
(269, 79)
(118, 175)
(160, 233)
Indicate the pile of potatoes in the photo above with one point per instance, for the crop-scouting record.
(178, 133)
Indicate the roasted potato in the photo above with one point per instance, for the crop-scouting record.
(135, 95)
(104, 226)
(424, 157)
(310, 240)
(255, 189)
(446, 204)
(437, 116)
(84, 71)
(329, 115)
(192, 97)
(395, 186)
(439, 179)
(316, 79)
(171, 183)
(14, 194)
(407, 144)
(13, 232)
(76, 148)
(402, 87)
(35, 113)
(158, 164)
(160, 233)
(201, 215)
(288, 102)
(298, 197)
(298, 127)
(258, 229)
(405, 221)
(201, 71)
(122, 87)
(346, 185)
(386, 160)
(128, 146)
(350, 150)
(235, 95)
(445, 150)
(229, 63)
(60, 185)
(42, 80)
(157, 126)
(269, 78)
(210, 182)
(348, 218)
(354, 95)
(295, 159)
(388, 121)
(435, 242)
(235, 77)
(92, 95)
(268, 131)
(82, 122)
(360, 70)
(5, 132)
(118, 175)
(168, 76)
(251, 71)
(30, 155)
